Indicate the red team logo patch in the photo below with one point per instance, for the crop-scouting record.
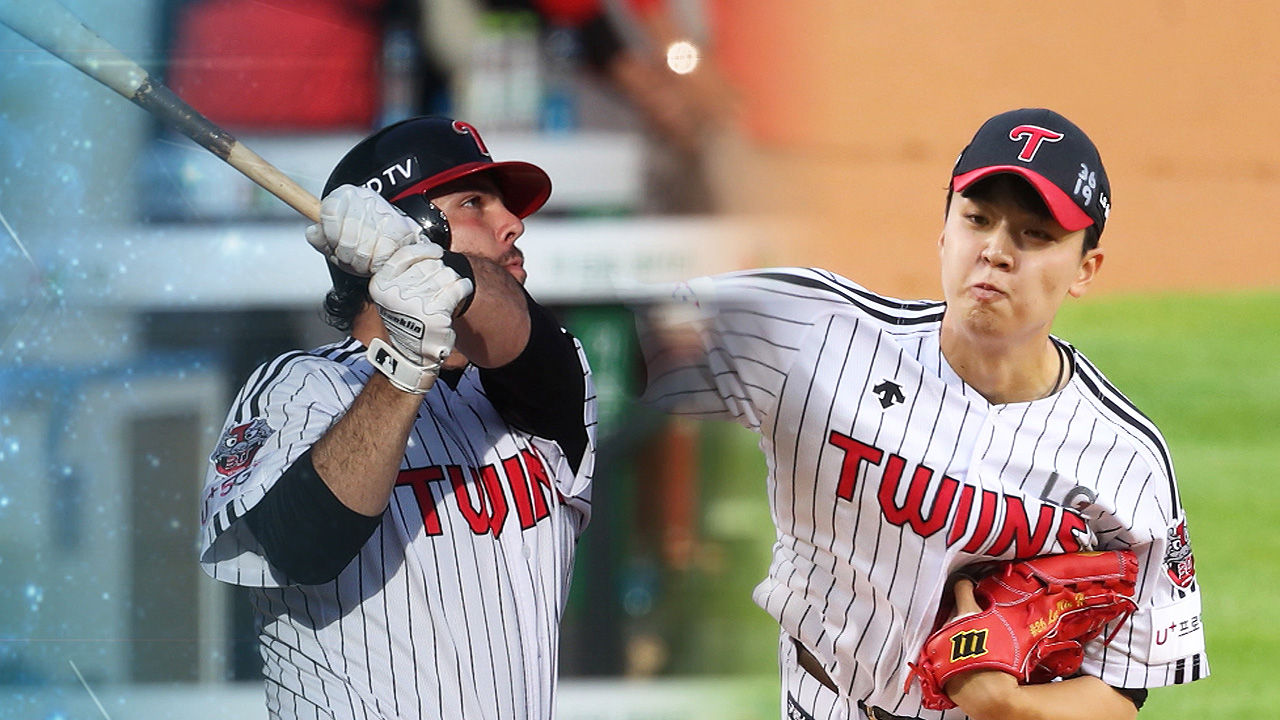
(238, 446)
(1178, 561)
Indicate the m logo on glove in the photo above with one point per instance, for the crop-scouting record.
(968, 645)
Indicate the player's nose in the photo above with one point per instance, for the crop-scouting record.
(998, 246)
(510, 227)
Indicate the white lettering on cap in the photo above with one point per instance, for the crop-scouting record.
(405, 170)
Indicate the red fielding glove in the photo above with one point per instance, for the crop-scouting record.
(1036, 616)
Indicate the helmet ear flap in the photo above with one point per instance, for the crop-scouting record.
(432, 219)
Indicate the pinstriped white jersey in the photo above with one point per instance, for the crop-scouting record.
(452, 607)
(886, 473)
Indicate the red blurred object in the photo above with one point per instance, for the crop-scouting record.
(568, 12)
(576, 12)
(260, 65)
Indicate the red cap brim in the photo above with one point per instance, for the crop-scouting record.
(525, 187)
(1064, 209)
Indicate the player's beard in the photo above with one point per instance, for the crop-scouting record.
(513, 262)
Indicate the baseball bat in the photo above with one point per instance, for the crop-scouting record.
(54, 28)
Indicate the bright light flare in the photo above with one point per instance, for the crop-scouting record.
(682, 57)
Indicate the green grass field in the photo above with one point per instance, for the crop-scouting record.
(1206, 369)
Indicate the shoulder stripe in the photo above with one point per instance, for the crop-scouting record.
(892, 303)
(266, 376)
(1125, 410)
(268, 373)
(894, 312)
(341, 352)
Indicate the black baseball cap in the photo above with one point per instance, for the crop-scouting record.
(1051, 153)
(421, 153)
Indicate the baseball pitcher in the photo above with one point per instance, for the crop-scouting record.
(920, 453)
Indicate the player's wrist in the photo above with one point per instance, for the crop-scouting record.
(984, 693)
(403, 372)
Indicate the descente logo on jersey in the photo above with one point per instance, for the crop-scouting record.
(992, 523)
(480, 493)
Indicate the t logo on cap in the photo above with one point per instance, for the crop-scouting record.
(1034, 135)
(466, 128)
(1076, 202)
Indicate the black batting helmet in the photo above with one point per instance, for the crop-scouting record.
(405, 160)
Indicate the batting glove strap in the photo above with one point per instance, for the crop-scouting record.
(404, 373)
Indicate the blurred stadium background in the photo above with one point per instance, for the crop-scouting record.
(142, 280)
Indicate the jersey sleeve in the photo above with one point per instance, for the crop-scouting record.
(573, 466)
(720, 347)
(285, 406)
(1162, 643)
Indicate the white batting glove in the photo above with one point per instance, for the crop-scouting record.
(359, 230)
(416, 295)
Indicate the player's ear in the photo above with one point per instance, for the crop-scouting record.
(1089, 266)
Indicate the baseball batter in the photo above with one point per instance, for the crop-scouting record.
(906, 440)
(405, 503)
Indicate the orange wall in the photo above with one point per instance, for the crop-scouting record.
(859, 109)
